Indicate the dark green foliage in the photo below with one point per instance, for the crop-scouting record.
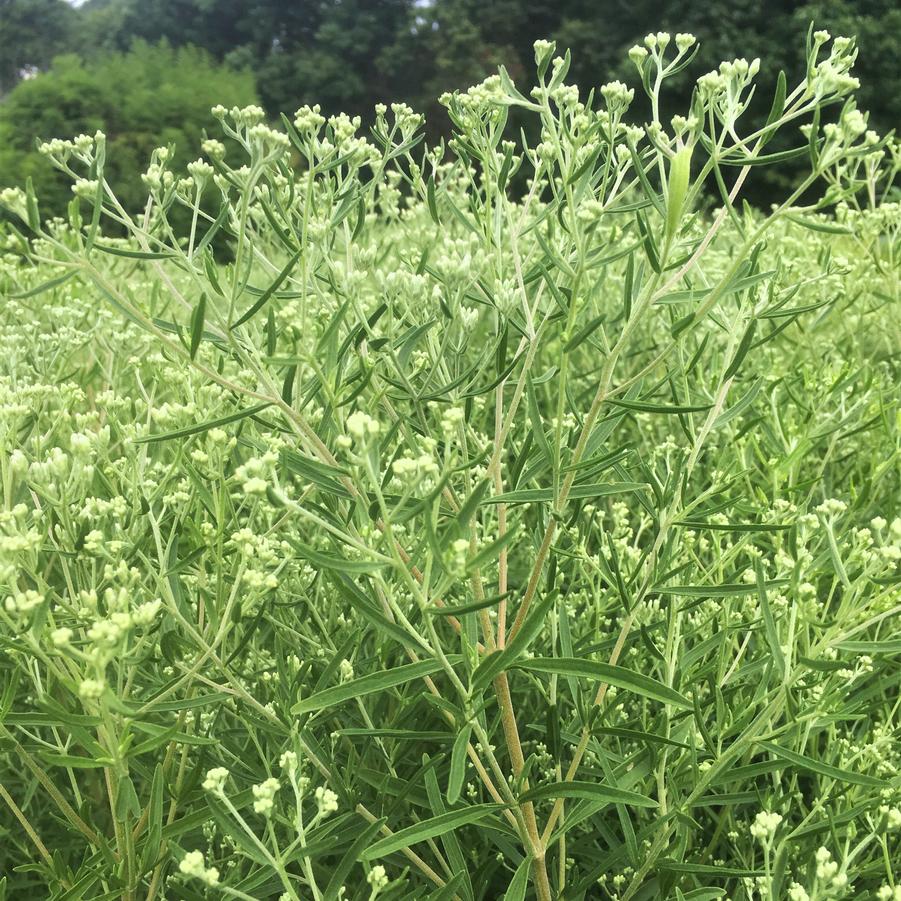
(31, 33)
(149, 97)
(348, 55)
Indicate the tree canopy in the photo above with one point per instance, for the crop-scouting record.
(151, 96)
(348, 55)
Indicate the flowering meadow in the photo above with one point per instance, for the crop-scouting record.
(517, 517)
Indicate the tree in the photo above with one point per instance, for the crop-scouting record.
(331, 52)
(148, 97)
(340, 59)
(32, 32)
(348, 55)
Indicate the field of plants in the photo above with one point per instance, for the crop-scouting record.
(512, 518)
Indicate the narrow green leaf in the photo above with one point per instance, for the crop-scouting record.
(198, 318)
(627, 287)
(126, 798)
(361, 604)
(537, 422)
(163, 735)
(647, 407)
(675, 866)
(776, 109)
(134, 254)
(698, 524)
(458, 765)
(769, 623)
(461, 609)
(209, 700)
(369, 684)
(677, 188)
(639, 736)
(397, 734)
(448, 892)
(213, 229)
(652, 197)
(209, 266)
(431, 200)
(505, 170)
(539, 495)
(764, 159)
(583, 334)
(271, 333)
(320, 474)
(494, 664)
(816, 225)
(733, 589)
(740, 406)
(449, 840)
(836, 556)
(420, 832)
(154, 819)
(594, 791)
(493, 550)
(471, 504)
(650, 245)
(339, 874)
(619, 676)
(742, 350)
(44, 286)
(74, 762)
(820, 768)
(516, 890)
(55, 718)
(204, 426)
(337, 564)
(890, 646)
(31, 206)
(264, 297)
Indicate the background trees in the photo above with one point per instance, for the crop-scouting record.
(348, 55)
(151, 96)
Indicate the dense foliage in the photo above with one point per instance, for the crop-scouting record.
(348, 55)
(451, 542)
(141, 99)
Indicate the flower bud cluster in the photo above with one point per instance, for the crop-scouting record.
(193, 866)
(724, 88)
(362, 427)
(831, 77)
(764, 826)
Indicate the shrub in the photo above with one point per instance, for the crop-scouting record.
(449, 544)
(149, 96)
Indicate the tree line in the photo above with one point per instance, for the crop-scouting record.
(127, 63)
